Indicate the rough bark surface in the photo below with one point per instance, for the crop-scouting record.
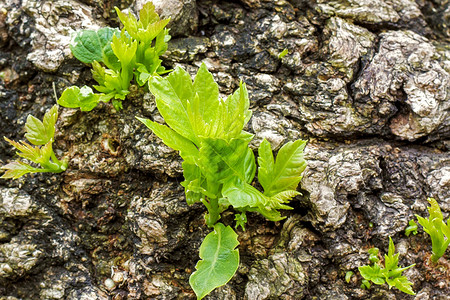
(366, 82)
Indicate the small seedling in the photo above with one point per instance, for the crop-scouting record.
(118, 58)
(39, 134)
(390, 274)
(438, 230)
(348, 276)
(412, 228)
(219, 167)
(283, 53)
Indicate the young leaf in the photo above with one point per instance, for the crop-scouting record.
(84, 98)
(437, 229)
(373, 254)
(89, 46)
(162, 43)
(39, 133)
(26, 150)
(348, 276)
(221, 160)
(208, 93)
(241, 220)
(237, 113)
(372, 273)
(241, 194)
(17, 169)
(219, 261)
(403, 284)
(194, 183)
(188, 151)
(49, 121)
(172, 104)
(147, 15)
(412, 228)
(283, 53)
(391, 273)
(129, 23)
(284, 173)
(391, 260)
(149, 33)
(125, 50)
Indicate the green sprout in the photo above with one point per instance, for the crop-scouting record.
(283, 53)
(390, 274)
(118, 58)
(219, 166)
(438, 230)
(39, 134)
(348, 276)
(412, 228)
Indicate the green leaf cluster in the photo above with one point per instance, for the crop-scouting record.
(218, 165)
(438, 230)
(38, 134)
(391, 273)
(119, 58)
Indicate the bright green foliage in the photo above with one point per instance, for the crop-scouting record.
(219, 260)
(412, 228)
(119, 58)
(84, 98)
(219, 167)
(89, 46)
(438, 230)
(37, 133)
(283, 53)
(391, 273)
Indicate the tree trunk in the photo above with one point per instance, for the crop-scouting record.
(366, 82)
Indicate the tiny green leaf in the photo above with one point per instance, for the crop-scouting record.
(219, 261)
(241, 220)
(348, 276)
(365, 284)
(84, 98)
(17, 169)
(372, 273)
(40, 133)
(283, 53)
(403, 284)
(437, 229)
(49, 120)
(373, 255)
(412, 228)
